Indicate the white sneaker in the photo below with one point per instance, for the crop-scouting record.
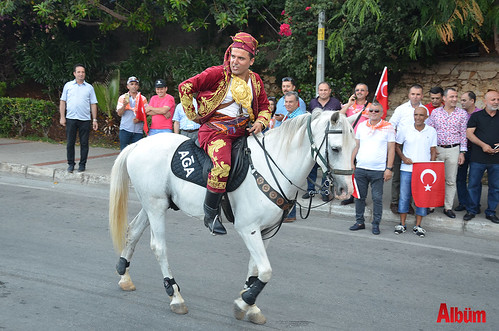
(419, 231)
(400, 229)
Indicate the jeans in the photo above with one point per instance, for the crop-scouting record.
(406, 194)
(83, 128)
(152, 132)
(312, 177)
(475, 187)
(127, 138)
(363, 177)
(462, 181)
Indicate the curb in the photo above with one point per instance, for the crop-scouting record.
(55, 175)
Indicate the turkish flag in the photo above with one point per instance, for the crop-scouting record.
(428, 184)
(382, 92)
(140, 114)
(355, 188)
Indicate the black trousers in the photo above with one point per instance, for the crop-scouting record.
(83, 128)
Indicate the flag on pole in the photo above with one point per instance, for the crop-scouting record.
(428, 184)
(140, 113)
(355, 188)
(382, 92)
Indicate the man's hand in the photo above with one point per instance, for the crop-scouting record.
(279, 117)
(63, 121)
(197, 119)
(460, 159)
(387, 175)
(95, 125)
(257, 127)
(489, 150)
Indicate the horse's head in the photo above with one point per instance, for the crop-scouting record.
(334, 141)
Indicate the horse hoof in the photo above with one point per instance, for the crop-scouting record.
(257, 318)
(179, 308)
(238, 312)
(127, 286)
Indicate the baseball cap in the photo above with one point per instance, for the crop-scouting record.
(160, 83)
(132, 79)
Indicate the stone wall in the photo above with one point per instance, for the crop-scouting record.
(478, 75)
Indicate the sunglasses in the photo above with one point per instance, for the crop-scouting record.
(374, 110)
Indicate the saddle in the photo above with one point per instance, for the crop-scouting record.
(191, 163)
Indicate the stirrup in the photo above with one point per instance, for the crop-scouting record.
(216, 226)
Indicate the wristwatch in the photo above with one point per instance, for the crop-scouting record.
(389, 168)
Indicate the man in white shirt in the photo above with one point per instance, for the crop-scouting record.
(419, 145)
(403, 116)
(374, 150)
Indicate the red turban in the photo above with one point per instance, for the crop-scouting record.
(241, 40)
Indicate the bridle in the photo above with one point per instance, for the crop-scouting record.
(325, 159)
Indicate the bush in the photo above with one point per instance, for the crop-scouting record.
(18, 115)
(173, 65)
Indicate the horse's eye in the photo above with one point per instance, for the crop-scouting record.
(336, 149)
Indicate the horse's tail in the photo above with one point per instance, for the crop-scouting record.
(118, 200)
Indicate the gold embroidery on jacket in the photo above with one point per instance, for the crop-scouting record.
(219, 170)
(186, 100)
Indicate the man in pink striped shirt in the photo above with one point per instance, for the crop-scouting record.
(450, 123)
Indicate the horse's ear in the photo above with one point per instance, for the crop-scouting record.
(335, 117)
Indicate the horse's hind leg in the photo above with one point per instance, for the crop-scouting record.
(135, 230)
(158, 246)
(259, 273)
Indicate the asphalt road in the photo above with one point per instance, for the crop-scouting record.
(57, 271)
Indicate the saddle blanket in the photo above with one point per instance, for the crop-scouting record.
(192, 164)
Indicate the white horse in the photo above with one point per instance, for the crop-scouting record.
(295, 146)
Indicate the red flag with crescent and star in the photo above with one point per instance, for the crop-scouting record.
(382, 92)
(140, 114)
(428, 184)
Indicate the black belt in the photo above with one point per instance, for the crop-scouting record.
(190, 131)
(448, 146)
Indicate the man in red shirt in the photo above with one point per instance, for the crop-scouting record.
(436, 97)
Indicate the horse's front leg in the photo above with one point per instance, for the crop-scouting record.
(158, 246)
(259, 274)
(135, 230)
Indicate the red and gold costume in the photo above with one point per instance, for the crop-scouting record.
(218, 130)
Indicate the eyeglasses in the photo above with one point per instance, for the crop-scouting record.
(287, 79)
(374, 110)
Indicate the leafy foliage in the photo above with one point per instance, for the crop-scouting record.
(50, 62)
(107, 93)
(18, 115)
(174, 65)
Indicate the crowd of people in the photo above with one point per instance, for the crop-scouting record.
(465, 138)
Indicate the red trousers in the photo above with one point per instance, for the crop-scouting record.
(218, 145)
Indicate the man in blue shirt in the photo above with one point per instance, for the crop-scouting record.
(293, 109)
(78, 100)
(323, 101)
(183, 125)
(288, 85)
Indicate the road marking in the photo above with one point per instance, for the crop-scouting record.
(398, 241)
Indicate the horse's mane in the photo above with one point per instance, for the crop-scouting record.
(294, 128)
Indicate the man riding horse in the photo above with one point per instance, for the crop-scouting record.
(230, 98)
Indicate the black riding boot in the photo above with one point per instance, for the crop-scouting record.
(211, 213)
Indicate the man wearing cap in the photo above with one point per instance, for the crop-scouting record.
(127, 107)
(161, 107)
(230, 98)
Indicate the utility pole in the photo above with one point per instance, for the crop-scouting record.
(321, 33)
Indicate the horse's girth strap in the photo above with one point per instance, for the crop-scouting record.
(272, 194)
